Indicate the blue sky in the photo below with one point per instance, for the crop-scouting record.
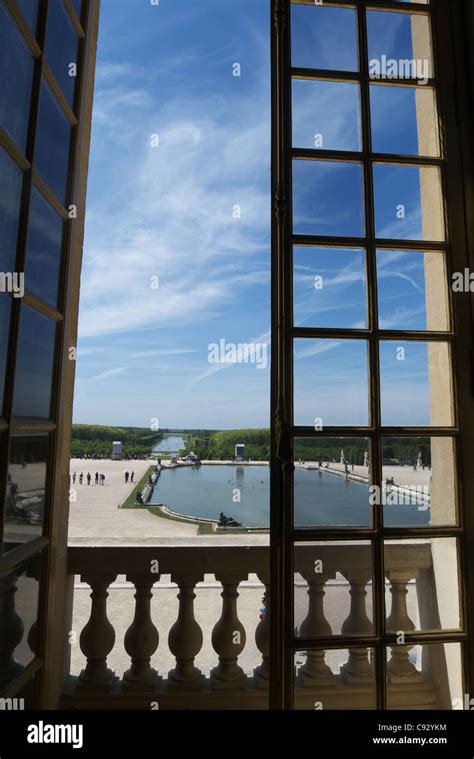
(168, 212)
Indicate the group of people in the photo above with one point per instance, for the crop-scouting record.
(98, 478)
(129, 476)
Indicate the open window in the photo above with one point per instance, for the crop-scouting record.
(360, 581)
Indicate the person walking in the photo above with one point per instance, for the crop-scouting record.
(132, 476)
(88, 478)
(102, 479)
(97, 478)
(74, 478)
(80, 478)
(126, 477)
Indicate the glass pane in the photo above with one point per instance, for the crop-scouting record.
(43, 250)
(399, 46)
(29, 11)
(329, 287)
(30, 693)
(408, 203)
(337, 679)
(330, 383)
(328, 198)
(78, 8)
(333, 589)
(415, 383)
(326, 115)
(426, 677)
(34, 365)
(11, 178)
(331, 482)
(26, 489)
(16, 65)
(422, 585)
(19, 595)
(324, 38)
(404, 120)
(53, 140)
(419, 481)
(5, 310)
(412, 290)
(61, 48)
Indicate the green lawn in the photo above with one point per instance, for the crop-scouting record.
(130, 502)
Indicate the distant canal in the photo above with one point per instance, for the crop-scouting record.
(169, 444)
(321, 499)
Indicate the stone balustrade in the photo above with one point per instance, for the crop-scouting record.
(320, 568)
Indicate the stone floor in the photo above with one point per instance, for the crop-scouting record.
(96, 513)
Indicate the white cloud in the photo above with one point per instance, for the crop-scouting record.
(173, 218)
(109, 373)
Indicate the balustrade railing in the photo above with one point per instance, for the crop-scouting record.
(228, 684)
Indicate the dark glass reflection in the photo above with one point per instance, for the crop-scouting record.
(29, 11)
(404, 120)
(34, 365)
(324, 38)
(26, 488)
(19, 594)
(328, 198)
(16, 66)
(43, 250)
(325, 115)
(11, 178)
(5, 309)
(61, 48)
(30, 694)
(78, 8)
(53, 141)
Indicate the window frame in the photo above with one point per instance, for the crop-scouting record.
(283, 534)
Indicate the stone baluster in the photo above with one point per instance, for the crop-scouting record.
(228, 636)
(141, 639)
(358, 670)
(185, 637)
(400, 669)
(315, 671)
(262, 636)
(11, 629)
(97, 639)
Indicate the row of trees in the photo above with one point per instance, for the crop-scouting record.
(95, 441)
(221, 445)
